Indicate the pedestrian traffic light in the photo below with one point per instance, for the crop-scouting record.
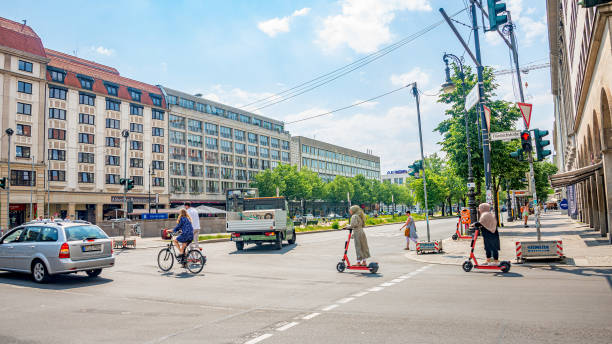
(592, 3)
(518, 155)
(3, 182)
(495, 19)
(526, 141)
(127, 183)
(541, 153)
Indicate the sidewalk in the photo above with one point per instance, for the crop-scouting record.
(582, 246)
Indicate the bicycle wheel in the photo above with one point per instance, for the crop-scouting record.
(195, 261)
(165, 259)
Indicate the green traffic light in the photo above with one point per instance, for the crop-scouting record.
(541, 153)
(495, 19)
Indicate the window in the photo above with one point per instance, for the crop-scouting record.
(87, 119)
(253, 163)
(57, 113)
(24, 87)
(113, 104)
(274, 164)
(212, 186)
(241, 162)
(240, 148)
(136, 162)
(57, 134)
(113, 142)
(158, 181)
(111, 89)
(137, 180)
(172, 100)
(176, 121)
(86, 158)
(25, 109)
(24, 130)
(200, 107)
(227, 160)
(265, 164)
(56, 154)
(232, 115)
(186, 103)
(135, 145)
(136, 128)
(86, 177)
(22, 151)
(211, 143)
(57, 92)
(226, 146)
(157, 114)
(177, 185)
(86, 82)
(252, 150)
(227, 173)
(252, 175)
(113, 160)
(239, 135)
(274, 154)
(195, 155)
(177, 153)
(113, 123)
(226, 186)
(195, 125)
(196, 186)
(264, 152)
(57, 176)
(135, 94)
(158, 148)
(274, 143)
(87, 99)
(156, 99)
(212, 158)
(194, 140)
(285, 145)
(263, 140)
(252, 138)
(226, 132)
(285, 156)
(196, 170)
(241, 174)
(177, 168)
(278, 127)
(257, 122)
(135, 110)
(157, 131)
(112, 179)
(86, 138)
(23, 178)
(212, 172)
(267, 125)
(211, 129)
(157, 164)
(177, 137)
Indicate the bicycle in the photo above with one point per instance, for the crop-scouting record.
(194, 261)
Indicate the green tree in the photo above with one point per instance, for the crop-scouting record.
(436, 190)
(335, 191)
(542, 170)
(267, 182)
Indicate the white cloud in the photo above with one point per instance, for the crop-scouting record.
(235, 97)
(364, 24)
(103, 51)
(274, 26)
(492, 38)
(533, 29)
(416, 74)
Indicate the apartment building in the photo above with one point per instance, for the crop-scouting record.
(214, 147)
(581, 82)
(329, 160)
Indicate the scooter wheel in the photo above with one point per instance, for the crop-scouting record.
(455, 237)
(505, 266)
(373, 267)
(340, 267)
(467, 266)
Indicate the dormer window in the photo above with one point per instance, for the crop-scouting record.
(86, 81)
(112, 89)
(157, 101)
(135, 94)
(57, 75)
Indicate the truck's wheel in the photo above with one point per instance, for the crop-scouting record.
(279, 241)
(239, 245)
(292, 240)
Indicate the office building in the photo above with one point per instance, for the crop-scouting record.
(399, 177)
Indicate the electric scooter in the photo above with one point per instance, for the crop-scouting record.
(345, 264)
(504, 266)
(458, 234)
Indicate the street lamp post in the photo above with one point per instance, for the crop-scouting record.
(449, 86)
(8, 132)
(151, 173)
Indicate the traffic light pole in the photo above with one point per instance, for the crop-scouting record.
(415, 92)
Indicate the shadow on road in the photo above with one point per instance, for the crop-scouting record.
(182, 274)
(590, 272)
(57, 282)
(264, 249)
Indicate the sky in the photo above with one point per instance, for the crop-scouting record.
(238, 52)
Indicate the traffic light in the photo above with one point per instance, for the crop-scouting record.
(495, 19)
(526, 141)
(541, 153)
(416, 168)
(592, 3)
(518, 155)
(127, 183)
(3, 182)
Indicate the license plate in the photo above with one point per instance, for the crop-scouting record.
(92, 248)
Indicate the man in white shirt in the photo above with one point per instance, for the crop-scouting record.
(195, 223)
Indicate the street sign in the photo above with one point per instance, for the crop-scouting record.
(563, 204)
(472, 98)
(487, 112)
(526, 112)
(505, 135)
(471, 185)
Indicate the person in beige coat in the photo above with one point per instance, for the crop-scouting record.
(357, 223)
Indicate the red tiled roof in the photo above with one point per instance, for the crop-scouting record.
(100, 73)
(20, 37)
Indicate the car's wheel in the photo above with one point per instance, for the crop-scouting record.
(467, 266)
(279, 241)
(39, 272)
(239, 245)
(340, 267)
(94, 272)
(505, 266)
(293, 238)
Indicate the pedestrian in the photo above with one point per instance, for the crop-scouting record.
(195, 224)
(525, 211)
(488, 226)
(410, 230)
(358, 220)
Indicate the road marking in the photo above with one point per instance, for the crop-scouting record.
(259, 339)
(387, 284)
(360, 294)
(287, 326)
(329, 308)
(311, 315)
(376, 289)
(346, 300)
(397, 280)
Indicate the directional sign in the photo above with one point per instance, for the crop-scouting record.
(472, 98)
(526, 112)
(471, 185)
(505, 135)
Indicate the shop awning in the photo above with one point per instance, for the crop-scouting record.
(575, 176)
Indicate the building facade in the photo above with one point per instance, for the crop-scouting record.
(399, 177)
(581, 60)
(215, 147)
(329, 160)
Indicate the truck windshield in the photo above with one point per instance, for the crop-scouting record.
(84, 232)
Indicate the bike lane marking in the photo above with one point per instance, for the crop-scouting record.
(287, 326)
(311, 315)
(259, 339)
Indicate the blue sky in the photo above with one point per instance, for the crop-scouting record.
(236, 52)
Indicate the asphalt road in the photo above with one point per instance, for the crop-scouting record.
(295, 295)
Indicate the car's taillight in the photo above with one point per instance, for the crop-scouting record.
(64, 251)
(269, 233)
(236, 235)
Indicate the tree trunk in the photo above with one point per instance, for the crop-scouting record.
(450, 206)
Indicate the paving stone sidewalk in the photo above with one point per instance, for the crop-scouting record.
(582, 246)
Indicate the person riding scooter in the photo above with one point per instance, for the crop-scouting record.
(357, 223)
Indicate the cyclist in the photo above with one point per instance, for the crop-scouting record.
(186, 236)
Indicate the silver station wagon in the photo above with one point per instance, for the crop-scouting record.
(44, 248)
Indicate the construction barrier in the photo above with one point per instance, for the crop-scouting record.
(539, 249)
(429, 247)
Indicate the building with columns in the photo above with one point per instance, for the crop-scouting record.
(580, 42)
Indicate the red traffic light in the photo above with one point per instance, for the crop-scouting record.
(525, 136)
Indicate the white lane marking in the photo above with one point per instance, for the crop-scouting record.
(376, 289)
(287, 326)
(360, 294)
(259, 339)
(310, 316)
(346, 300)
(329, 308)
(387, 284)
(397, 280)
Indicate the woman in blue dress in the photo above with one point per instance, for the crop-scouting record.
(186, 236)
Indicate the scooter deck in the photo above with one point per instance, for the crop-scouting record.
(353, 267)
(487, 267)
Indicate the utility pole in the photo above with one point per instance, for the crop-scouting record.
(125, 133)
(415, 92)
(8, 132)
(150, 174)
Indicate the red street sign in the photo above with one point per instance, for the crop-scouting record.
(526, 112)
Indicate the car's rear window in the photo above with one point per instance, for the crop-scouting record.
(84, 232)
